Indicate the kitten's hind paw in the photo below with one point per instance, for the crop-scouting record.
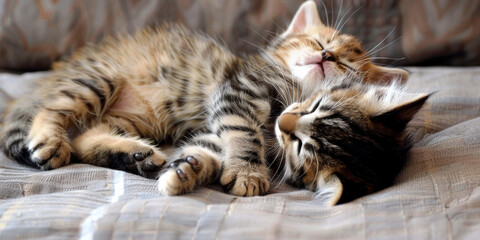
(180, 177)
(196, 165)
(147, 162)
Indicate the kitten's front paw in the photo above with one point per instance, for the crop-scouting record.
(247, 181)
(180, 177)
(147, 162)
(49, 152)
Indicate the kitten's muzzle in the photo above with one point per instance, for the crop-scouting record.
(328, 56)
(288, 122)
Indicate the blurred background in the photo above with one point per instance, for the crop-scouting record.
(34, 33)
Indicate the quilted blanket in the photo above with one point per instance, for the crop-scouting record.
(436, 196)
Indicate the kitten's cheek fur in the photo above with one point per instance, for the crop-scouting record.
(278, 135)
(329, 190)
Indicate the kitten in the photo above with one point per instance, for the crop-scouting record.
(314, 52)
(168, 85)
(346, 140)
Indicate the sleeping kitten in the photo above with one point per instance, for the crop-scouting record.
(314, 52)
(127, 96)
(346, 140)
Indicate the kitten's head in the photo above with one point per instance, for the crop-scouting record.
(347, 140)
(313, 52)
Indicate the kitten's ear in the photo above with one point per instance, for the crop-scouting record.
(379, 74)
(329, 190)
(398, 117)
(306, 16)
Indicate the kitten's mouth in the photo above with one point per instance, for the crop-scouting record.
(315, 64)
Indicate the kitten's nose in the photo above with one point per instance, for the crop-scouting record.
(327, 56)
(288, 122)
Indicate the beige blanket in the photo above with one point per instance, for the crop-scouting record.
(436, 196)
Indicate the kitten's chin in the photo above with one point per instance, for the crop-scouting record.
(310, 76)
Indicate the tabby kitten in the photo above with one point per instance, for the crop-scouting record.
(114, 103)
(346, 140)
(314, 52)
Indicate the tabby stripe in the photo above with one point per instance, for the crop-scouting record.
(309, 147)
(88, 104)
(341, 86)
(207, 144)
(132, 123)
(14, 143)
(15, 131)
(68, 94)
(93, 88)
(251, 157)
(231, 71)
(225, 128)
(62, 112)
(237, 100)
(224, 111)
(325, 146)
(355, 127)
(119, 130)
(111, 87)
(183, 92)
(241, 88)
(257, 142)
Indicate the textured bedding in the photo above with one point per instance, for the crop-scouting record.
(436, 196)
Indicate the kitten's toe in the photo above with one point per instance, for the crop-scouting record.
(147, 162)
(180, 177)
(245, 182)
(49, 152)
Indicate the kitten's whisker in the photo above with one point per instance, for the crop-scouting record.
(369, 52)
(341, 27)
(325, 10)
(338, 14)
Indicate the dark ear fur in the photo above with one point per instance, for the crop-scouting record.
(398, 117)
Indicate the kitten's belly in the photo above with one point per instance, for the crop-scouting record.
(143, 105)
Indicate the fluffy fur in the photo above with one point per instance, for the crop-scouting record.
(347, 140)
(116, 104)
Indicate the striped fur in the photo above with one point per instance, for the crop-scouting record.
(165, 86)
(346, 140)
(123, 103)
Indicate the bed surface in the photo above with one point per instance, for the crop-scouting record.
(436, 196)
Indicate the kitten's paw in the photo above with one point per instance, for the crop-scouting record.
(248, 181)
(181, 176)
(146, 161)
(49, 152)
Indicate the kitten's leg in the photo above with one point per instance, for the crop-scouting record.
(196, 163)
(244, 169)
(106, 147)
(236, 118)
(34, 129)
